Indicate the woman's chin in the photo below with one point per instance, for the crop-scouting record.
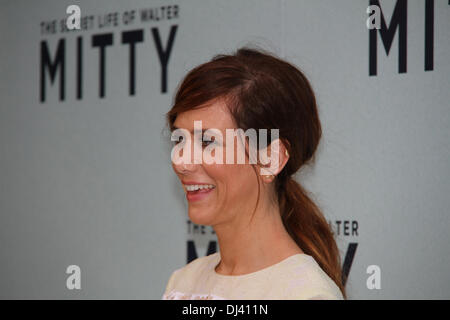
(200, 216)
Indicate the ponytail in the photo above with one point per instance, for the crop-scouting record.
(307, 226)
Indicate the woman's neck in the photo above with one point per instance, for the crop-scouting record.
(248, 245)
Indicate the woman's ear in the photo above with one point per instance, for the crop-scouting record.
(273, 158)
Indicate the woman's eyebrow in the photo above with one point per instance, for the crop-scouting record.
(191, 131)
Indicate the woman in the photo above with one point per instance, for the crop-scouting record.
(274, 242)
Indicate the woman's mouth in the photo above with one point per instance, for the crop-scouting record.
(197, 192)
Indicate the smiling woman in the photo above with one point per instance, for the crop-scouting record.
(274, 242)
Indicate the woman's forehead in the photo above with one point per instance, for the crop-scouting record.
(215, 115)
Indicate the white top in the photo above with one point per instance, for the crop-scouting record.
(296, 277)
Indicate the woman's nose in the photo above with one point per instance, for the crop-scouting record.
(186, 159)
(184, 167)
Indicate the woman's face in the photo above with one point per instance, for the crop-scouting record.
(235, 186)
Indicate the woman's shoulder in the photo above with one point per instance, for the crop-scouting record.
(303, 278)
(199, 264)
(194, 269)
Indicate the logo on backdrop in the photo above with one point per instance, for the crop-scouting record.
(346, 228)
(377, 26)
(202, 241)
(54, 55)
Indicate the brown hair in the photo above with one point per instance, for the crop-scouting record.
(265, 92)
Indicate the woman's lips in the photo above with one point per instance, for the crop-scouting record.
(193, 196)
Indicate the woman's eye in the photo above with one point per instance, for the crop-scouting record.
(177, 141)
(207, 142)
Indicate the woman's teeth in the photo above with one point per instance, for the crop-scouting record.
(195, 187)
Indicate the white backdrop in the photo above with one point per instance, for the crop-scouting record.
(87, 181)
